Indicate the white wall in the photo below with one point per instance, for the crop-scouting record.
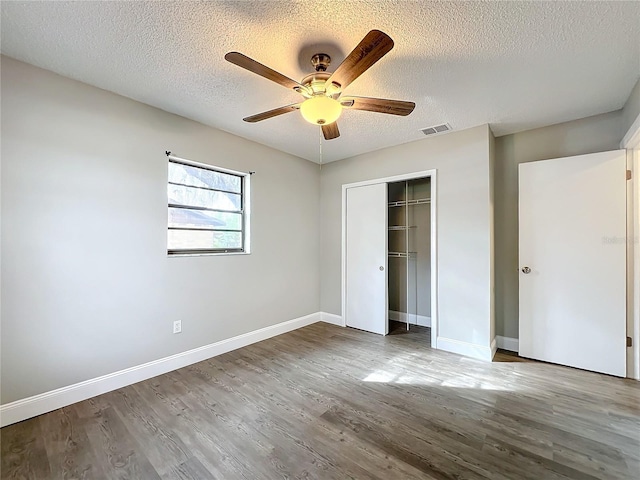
(87, 287)
(463, 224)
(588, 135)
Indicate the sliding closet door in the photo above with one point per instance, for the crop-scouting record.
(366, 258)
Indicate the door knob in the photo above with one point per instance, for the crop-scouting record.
(381, 268)
(526, 270)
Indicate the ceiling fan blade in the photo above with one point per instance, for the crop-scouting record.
(380, 105)
(373, 47)
(272, 113)
(330, 131)
(262, 70)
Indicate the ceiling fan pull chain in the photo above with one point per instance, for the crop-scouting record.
(320, 137)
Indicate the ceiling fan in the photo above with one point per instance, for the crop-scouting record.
(322, 90)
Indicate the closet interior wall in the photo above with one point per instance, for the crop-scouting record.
(410, 252)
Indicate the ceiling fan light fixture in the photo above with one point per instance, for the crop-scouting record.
(320, 110)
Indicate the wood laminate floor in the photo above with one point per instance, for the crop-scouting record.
(335, 403)
(400, 328)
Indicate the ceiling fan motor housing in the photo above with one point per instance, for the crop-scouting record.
(316, 84)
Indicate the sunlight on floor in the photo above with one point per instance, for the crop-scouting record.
(396, 372)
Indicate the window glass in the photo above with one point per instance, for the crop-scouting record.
(193, 240)
(206, 210)
(198, 197)
(201, 177)
(185, 217)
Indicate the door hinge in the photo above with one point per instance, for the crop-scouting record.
(628, 174)
(629, 342)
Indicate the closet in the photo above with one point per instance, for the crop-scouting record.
(409, 252)
(388, 242)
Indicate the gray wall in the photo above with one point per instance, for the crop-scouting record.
(420, 242)
(463, 224)
(492, 220)
(588, 135)
(87, 287)
(631, 108)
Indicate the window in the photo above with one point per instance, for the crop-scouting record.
(207, 209)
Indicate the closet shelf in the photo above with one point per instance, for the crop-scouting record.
(402, 254)
(402, 227)
(403, 203)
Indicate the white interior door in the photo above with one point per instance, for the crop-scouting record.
(366, 258)
(572, 216)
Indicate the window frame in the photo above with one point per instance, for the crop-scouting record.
(245, 202)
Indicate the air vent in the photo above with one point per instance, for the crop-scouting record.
(445, 127)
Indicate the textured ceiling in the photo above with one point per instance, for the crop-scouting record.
(514, 65)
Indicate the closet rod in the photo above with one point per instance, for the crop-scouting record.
(402, 203)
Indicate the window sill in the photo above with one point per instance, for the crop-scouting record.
(178, 255)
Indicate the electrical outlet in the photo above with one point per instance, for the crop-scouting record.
(177, 326)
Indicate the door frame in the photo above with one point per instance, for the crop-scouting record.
(631, 142)
(432, 174)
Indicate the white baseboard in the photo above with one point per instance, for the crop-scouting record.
(507, 343)
(422, 320)
(494, 348)
(332, 318)
(463, 348)
(46, 402)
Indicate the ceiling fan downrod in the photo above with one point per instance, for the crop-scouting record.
(320, 62)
